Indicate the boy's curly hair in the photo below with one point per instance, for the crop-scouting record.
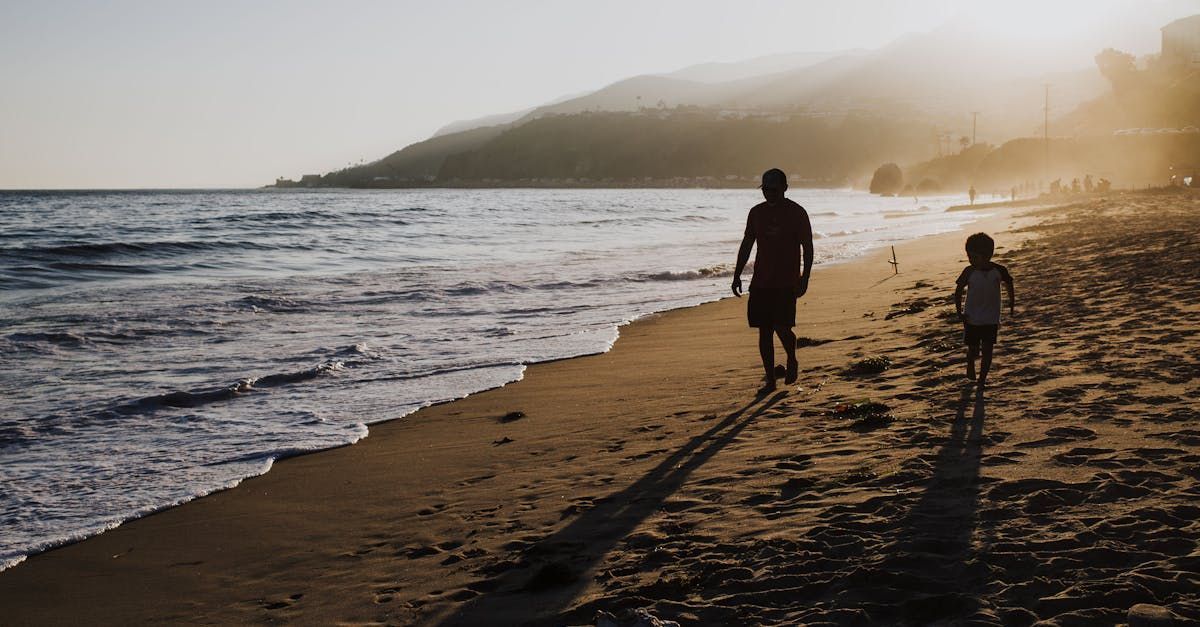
(981, 244)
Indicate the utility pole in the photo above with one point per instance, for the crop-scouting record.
(1046, 132)
(974, 123)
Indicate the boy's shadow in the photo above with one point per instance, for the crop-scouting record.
(939, 528)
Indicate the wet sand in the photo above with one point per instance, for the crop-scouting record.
(651, 477)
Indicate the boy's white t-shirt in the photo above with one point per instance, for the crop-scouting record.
(983, 293)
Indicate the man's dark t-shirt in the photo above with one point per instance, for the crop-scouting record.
(778, 231)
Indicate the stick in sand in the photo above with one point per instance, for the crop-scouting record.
(894, 262)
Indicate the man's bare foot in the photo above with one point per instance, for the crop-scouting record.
(793, 372)
(767, 388)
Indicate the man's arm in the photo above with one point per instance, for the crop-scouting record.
(806, 249)
(742, 258)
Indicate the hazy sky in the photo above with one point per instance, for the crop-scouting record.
(232, 94)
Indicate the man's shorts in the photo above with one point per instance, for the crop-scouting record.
(772, 308)
(975, 333)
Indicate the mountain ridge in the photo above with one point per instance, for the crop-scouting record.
(941, 82)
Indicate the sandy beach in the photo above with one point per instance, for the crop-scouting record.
(650, 477)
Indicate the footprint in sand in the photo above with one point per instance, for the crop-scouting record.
(646, 455)
(795, 487)
(484, 513)
(1002, 459)
(499, 567)
(1081, 456)
(580, 506)
(430, 511)
(475, 480)
(795, 462)
(281, 603)
(1052, 500)
(1060, 435)
(483, 585)
(417, 552)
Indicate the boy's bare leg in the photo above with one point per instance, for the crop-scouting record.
(766, 349)
(972, 350)
(985, 362)
(788, 338)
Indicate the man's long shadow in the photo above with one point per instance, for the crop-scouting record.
(933, 542)
(560, 563)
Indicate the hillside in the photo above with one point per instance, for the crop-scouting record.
(687, 144)
(416, 164)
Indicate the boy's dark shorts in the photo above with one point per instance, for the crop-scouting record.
(771, 308)
(976, 333)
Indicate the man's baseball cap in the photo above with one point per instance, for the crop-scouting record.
(774, 178)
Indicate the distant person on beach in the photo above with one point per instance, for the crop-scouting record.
(981, 319)
(783, 233)
(971, 193)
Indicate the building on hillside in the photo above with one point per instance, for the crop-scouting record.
(1181, 42)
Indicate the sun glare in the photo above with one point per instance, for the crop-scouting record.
(1026, 20)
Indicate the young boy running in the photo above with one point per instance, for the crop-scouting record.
(981, 319)
(782, 231)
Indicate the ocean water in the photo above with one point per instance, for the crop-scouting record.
(156, 346)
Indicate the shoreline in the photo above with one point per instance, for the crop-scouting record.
(636, 328)
(269, 462)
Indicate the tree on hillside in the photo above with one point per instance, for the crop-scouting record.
(888, 179)
(1120, 68)
(1159, 96)
(955, 171)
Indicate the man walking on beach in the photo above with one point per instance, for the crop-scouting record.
(782, 231)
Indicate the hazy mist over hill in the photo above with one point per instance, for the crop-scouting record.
(969, 62)
(717, 72)
(130, 93)
(715, 123)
